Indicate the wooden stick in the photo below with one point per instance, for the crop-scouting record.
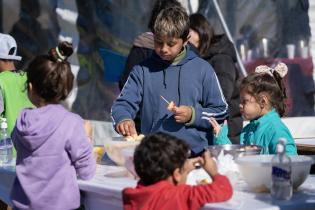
(165, 99)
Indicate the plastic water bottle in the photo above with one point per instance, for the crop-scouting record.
(281, 186)
(6, 145)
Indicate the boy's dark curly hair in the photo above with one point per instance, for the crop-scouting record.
(158, 155)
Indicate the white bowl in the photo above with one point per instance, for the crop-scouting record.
(114, 150)
(256, 170)
(128, 156)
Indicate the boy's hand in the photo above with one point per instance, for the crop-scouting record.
(209, 164)
(192, 162)
(126, 128)
(182, 114)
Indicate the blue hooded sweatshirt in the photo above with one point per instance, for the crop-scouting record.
(191, 82)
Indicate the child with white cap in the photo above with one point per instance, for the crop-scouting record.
(13, 94)
(13, 97)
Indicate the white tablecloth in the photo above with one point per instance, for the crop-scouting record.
(307, 141)
(104, 192)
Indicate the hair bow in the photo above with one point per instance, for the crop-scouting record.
(60, 56)
(280, 68)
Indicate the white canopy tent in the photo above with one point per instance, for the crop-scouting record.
(91, 25)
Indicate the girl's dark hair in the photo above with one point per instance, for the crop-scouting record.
(158, 155)
(257, 83)
(205, 31)
(158, 6)
(51, 75)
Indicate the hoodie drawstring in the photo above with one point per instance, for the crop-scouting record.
(178, 87)
(164, 79)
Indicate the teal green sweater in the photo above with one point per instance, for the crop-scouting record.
(265, 132)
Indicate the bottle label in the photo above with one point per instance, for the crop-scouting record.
(280, 173)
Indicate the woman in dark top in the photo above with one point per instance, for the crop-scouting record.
(143, 45)
(220, 53)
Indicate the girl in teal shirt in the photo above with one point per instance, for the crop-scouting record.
(262, 103)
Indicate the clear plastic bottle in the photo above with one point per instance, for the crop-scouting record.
(6, 145)
(281, 186)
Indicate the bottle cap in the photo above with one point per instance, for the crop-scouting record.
(282, 141)
(3, 124)
(280, 148)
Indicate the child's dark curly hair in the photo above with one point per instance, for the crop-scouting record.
(158, 155)
(50, 75)
(257, 83)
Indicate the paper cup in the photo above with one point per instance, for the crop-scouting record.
(290, 51)
(304, 52)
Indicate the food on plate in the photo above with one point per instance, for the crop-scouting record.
(134, 137)
(171, 106)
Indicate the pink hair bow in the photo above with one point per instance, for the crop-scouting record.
(280, 68)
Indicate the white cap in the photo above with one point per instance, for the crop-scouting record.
(280, 148)
(281, 145)
(8, 48)
(3, 124)
(282, 141)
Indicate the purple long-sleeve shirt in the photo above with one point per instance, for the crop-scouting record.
(52, 151)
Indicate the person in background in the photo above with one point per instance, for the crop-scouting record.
(161, 161)
(262, 103)
(220, 53)
(143, 45)
(176, 73)
(13, 95)
(51, 143)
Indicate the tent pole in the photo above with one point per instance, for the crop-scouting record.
(227, 31)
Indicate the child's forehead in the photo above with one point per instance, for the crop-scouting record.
(166, 38)
(245, 93)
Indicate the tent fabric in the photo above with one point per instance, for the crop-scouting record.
(90, 25)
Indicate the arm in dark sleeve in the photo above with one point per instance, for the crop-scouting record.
(136, 55)
(224, 68)
(126, 105)
(213, 102)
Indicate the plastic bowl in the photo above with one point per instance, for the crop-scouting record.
(236, 150)
(128, 156)
(256, 170)
(114, 150)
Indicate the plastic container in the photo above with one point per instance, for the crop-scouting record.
(236, 150)
(256, 170)
(128, 163)
(281, 182)
(6, 146)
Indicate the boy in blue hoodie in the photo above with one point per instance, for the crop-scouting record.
(178, 74)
